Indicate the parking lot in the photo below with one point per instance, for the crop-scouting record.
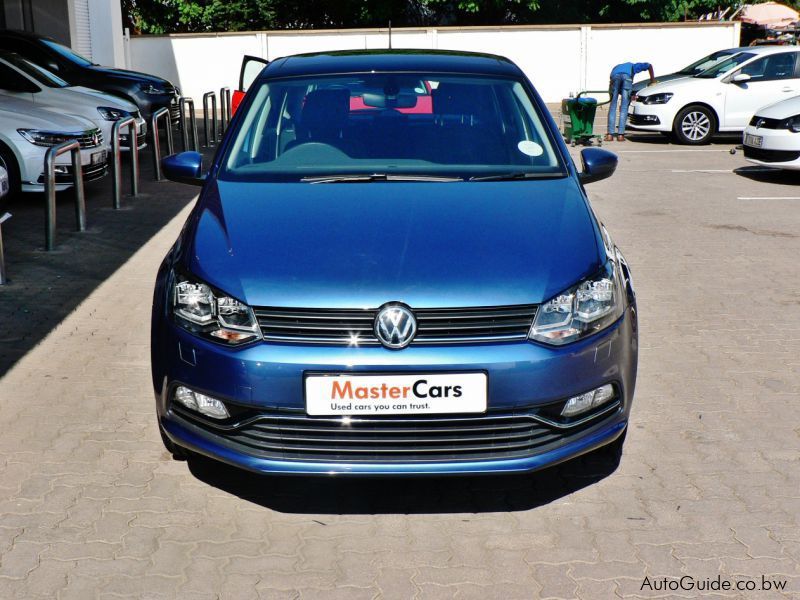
(709, 482)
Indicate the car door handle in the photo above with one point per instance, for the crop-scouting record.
(787, 89)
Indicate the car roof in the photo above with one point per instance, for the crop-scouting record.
(409, 61)
(773, 49)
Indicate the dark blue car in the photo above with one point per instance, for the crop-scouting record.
(393, 268)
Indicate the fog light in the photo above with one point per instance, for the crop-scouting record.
(585, 402)
(205, 405)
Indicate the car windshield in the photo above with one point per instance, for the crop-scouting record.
(706, 62)
(726, 65)
(67, 53)
(390, 126)
(34, 71)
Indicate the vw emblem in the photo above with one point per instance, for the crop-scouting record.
(759, 123)
(395, 326)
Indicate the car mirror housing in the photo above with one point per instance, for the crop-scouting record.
(740, 78)
(185, 167)
(597, 164)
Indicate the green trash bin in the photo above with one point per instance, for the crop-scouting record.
(578, 118)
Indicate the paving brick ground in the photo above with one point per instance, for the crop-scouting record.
(709, 484)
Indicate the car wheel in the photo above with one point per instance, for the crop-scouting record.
(177, 452)
(9, 163)
(694, 125)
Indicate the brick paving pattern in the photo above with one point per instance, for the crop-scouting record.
(92, 506)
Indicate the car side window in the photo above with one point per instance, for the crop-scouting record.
(12, 81)
(771, 68)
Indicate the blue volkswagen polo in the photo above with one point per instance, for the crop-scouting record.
(393, 268)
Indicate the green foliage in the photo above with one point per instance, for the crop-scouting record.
(168, 16)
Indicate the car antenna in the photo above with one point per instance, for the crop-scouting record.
(390, 34)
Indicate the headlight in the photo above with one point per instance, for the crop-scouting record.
(655, 99)
(153, 90)
(212, 315)
(582, 310)
(793, 124)
(47, 138)
(112, 114)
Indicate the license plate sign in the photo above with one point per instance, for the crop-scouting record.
(754, 141)
(439, 393)
(98, 158)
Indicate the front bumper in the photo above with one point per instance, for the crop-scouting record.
(32, 174)
(267, 380)
(779, 147)
(651, 117)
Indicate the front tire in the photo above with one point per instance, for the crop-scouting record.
(694, 125)
(9, 163)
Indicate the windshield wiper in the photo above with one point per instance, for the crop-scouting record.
(517, 175)
(377, 177)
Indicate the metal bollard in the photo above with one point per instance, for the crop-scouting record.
(116, 160)
(74, 147)
(158, 115)
(224, 109)
(3, 276)
(213, 140)
(182, 103)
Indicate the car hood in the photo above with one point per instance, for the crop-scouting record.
(781, 110)
(129, 75)
(360, 245)
(98, 98)
(23, 113)
(640, 85)
(678, 85)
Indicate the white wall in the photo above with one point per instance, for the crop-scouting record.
(557, 59)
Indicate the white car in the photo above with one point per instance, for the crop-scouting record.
(24, 80)
(26, 132)
(720, 99)
(773, 136)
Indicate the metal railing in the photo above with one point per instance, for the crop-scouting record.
(224, 109)
(182, 103)
(210, 141)
(161, 114)
(3, 276)
(116, 160)
(74, 148)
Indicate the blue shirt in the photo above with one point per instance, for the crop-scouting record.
(630, 69)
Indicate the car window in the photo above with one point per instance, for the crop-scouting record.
(12, 81)
(40, 74)
(26, 49)
(725, 66)
(432, 124)
(706, 62)
(67, 53)
(772, 67)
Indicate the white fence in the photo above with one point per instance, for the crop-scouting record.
(558, 59)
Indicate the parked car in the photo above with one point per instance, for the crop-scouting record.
(773, 136)
(22, 79)
(720, 99)
(377, 292)
(148, 92)
(696, 67)
(26, 132)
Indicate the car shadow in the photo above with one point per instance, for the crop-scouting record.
(44, 287)
(769, 175)
(407, 495)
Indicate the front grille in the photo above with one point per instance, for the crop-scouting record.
(644, 120)
(91, 139)
(772, 156)
(292, 435)
(764, 123)
(434, 326)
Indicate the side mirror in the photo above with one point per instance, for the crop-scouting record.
(185, 167)
(597, 164)
(741, 78)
